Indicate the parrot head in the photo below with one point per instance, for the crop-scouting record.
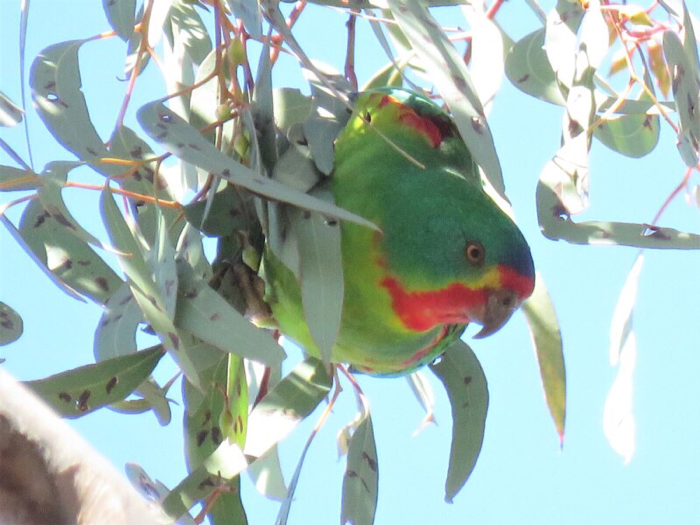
(447, 253)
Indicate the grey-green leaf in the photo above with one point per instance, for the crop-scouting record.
(80, 391)
(69, 258)
(292, 399)
(207, 315)
(320, 274)
(361, 479)
(188, 144)
(528, 69)
(16, 179)
(546, 336)
(116, 331)
(121, 15)
(449, 72)
(55, 83)
(10, 113)
(460, 372)
(11, 325)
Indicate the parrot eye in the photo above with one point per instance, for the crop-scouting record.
(475, 253)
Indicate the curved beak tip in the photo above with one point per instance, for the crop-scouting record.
(498, 309)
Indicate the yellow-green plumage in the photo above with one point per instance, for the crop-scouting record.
(410, 290)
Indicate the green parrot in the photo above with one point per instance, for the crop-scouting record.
(446, 255)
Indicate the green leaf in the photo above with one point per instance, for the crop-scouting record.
(292, 399)
(16, 179)
(11, 325)
(329, 115)
(69, 258)
(161, 258)
(207, 315)
(460, 372)
(230, 210)
(203, 434)
(560, 41)
(320, 274)
(421, 388)
(546, 336)
(188, 144)
(191, 30)
(528, 69)
(556, 224)
(296, 168)
(388, 75)
(144, 289)
(80, 391)
(487, 54)
(361, 479)
(631, 135)
(55, 83)
(250, 12)
(115, 334)
(121, 15)
(449, 72)
(53, 180)
(10, 113)
(685, 85)
(290, 107)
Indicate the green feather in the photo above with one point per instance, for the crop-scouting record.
(401, 164)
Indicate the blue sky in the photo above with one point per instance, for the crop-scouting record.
(522, 475)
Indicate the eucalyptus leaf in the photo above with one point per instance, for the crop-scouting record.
(249, 11)
(69, 258)
(203, 434)
(292, 399)
(546, 336)
(463, 378)
(449, 72)
(528, 69)
(11, 325)
(206, 314)
(16, 179)
(121, 15)
(320, 274)
(191, 30)
(144, 289)
(187, 143)
(685, 85)
(10, 113)
(361, 479)
(77, 392)
(556, 224)
(115, 334)
(59, 101)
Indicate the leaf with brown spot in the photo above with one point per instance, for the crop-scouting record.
(469, 402)
(51, 244)
(11, 325)
(88, 384)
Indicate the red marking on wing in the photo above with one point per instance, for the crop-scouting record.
(422, 311)
(408, 117)
(422, 125)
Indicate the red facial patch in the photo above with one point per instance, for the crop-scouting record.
(520, 284)
(422, 311)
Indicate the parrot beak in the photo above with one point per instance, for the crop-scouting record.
(500, 306)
